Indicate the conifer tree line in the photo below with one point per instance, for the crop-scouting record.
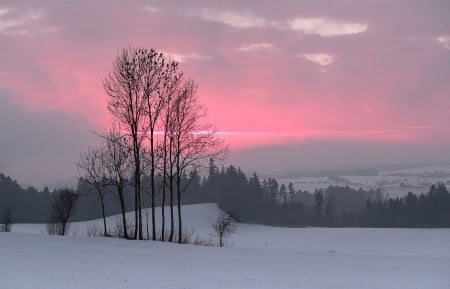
(247, 199)
(266, 202)
(158, 132)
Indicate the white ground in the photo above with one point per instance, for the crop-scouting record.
(258, 257)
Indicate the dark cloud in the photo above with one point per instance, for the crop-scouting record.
(38, 147)
(314, 155)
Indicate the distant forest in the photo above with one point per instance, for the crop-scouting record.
(251, 200)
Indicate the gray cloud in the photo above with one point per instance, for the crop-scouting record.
(314, 155)
(37, 147)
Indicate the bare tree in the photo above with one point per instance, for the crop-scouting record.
(160, 83)
(63, 208)
(194, 141)
(92, 168)
(7, 220)
(128, 103)
(118, 165)
(172, 86)
(137, 87)
(170, 172)
(223, 226)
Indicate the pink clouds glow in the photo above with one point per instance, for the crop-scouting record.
(245, 60)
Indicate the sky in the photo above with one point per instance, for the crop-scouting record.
(287, 85)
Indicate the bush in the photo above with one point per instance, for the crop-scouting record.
(117, 230)
(189, 238)
(223, 226)
(6, 221)
(93, 231)
(63, 208)
(58, 229)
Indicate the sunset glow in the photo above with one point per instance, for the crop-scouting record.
(280, 75)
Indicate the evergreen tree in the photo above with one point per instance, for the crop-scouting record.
(330, 208)
(283, 193)
(318, 208)
(291, 192)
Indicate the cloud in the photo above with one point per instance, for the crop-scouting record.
(188, 57)
(326, 27)
(321, 26)
(313, 155)
(319, 58)
(152, 9)
(41, 146)
(368, 108)
(230, 18)
(22, 22)
(4, 11)
(15, 23)
(445, 40)
(256, 47)
(423, 126)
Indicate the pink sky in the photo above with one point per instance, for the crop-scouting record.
(271, 75)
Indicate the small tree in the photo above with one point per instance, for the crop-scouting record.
(118, 164)
(6, 221)
(63, 208)
(223, 226)
(92, 168)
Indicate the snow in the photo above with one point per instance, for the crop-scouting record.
(257, 257)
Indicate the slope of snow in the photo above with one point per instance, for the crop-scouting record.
(194, 217)
(260, 257)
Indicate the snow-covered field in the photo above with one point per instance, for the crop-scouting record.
(257, 257)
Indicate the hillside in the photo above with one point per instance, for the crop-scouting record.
(257, 257)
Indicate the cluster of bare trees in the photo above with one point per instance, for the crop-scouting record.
(158, 130)
(107, 169)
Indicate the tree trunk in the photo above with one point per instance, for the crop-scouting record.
(163, 203)
(135, 214)
(172, 218)
(141, 237)
(180, 227)
(105, 231)
(179, 175)
(172, 221)
(148, 234)
(124, 218)
(152, 172)
(137, 192)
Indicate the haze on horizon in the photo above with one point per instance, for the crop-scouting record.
(309, 84)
